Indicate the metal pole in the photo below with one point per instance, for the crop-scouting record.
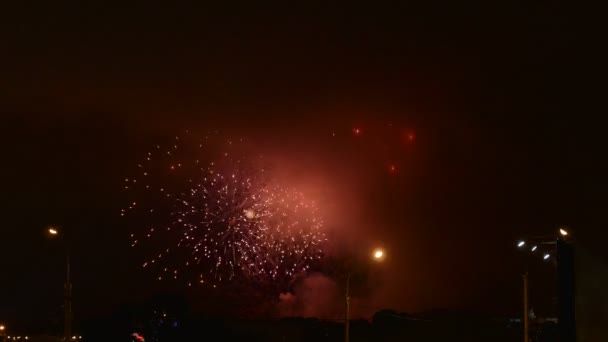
(526, 311)
(68, 301)
(347, 310)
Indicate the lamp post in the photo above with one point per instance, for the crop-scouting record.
(347, 310)
(526, 309)
(543, 240)
(378, 255)
(67, 327)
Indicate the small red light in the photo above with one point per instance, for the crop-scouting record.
(410, 136)
(392, 169)
(357, 131)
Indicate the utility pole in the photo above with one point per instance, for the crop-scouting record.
(526, 310)
(347, 310)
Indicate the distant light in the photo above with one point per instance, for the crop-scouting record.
(392, 169)
(521, 243)
(53, 231)
(546, 256)
(2, 327)
(411, 136)
(563, 232)
(138, 337)
(534, 248)
(356, 131)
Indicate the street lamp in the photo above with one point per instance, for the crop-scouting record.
(67, 329)
(378, 255)
(546, 256)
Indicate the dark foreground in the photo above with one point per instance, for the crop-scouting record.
(385, 326)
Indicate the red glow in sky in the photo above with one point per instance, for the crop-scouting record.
(410, 136)
(357, 131)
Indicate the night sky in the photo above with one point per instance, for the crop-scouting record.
(481, 108)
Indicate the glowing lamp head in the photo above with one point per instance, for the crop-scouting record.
(378, 254)
(53, 231)
(249, 214)
(534, 248)
(546, 257)
(563, 232)
(2, 327)
(521, 244)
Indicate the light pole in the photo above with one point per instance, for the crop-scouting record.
(544, 240)
(347, 310)
(526, 310)
(378, 255)
(67, 327)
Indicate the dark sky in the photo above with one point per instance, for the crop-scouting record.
(505, 145)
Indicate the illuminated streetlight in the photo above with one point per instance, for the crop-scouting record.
(378, 254)
(521, 243)
(546, 256)
(534, 248)
(54, 231)
(563, 232)
(2, 327)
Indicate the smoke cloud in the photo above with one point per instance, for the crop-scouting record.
(312, 296)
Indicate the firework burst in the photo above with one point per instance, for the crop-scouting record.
(220, 220)
(293, 231)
